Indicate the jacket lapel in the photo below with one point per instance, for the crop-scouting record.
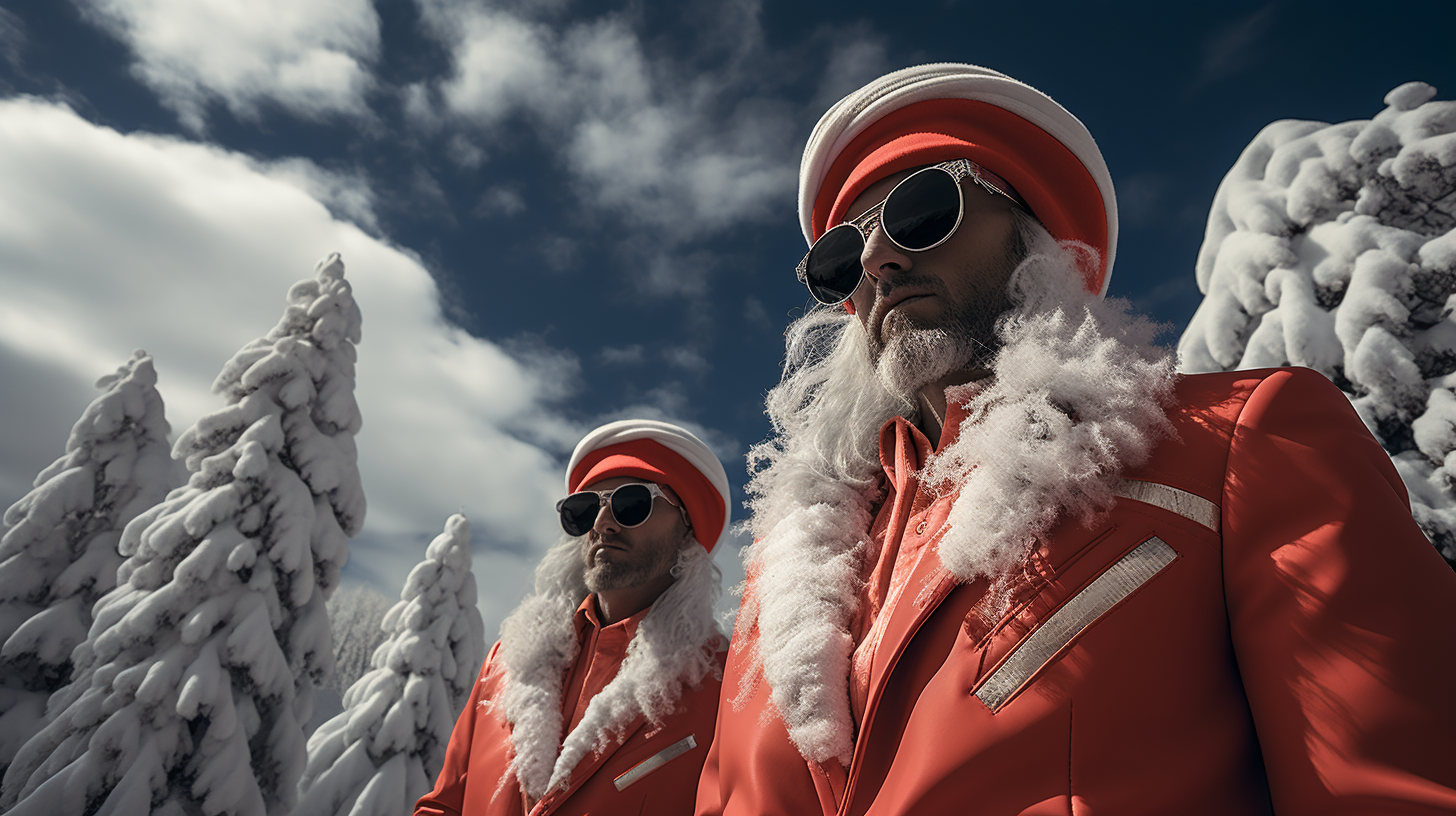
(584, 770)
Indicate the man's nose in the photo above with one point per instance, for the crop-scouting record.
(605, 521)
(881, 259)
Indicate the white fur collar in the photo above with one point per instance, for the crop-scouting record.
(674, 645)
(1075, 399)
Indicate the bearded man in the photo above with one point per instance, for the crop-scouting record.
(601, 694)
(1007, 561)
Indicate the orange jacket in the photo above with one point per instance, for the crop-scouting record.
(651, 770)
(1258, 626)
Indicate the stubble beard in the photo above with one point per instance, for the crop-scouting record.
(642, 566)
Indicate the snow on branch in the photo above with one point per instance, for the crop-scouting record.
(59, 553)
(1332, 247)
(385, 749)
(197, 675)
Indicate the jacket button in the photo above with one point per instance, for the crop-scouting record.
(920, 528)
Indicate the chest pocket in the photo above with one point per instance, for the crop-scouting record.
(656, 761)
(1050, 634)
(1071, 619)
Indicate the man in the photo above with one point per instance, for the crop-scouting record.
(601, 694)
(1007, 562)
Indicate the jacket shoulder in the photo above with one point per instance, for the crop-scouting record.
(1205, 412)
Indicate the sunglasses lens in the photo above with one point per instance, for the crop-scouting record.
(579, 513)
(833, 270)
(923, 210)
(631, 504)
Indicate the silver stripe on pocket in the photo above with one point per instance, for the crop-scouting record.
(1189, 506)
(656, 761)
(1119, 581)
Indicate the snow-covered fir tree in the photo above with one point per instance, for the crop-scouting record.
(356, 618)
(1332, 247)
(386, 748)
(59, 553)
(195, 679)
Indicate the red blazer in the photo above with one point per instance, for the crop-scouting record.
(480, 752)
(1257, 626)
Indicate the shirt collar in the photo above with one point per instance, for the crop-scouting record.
(903, 448)
(586, 619)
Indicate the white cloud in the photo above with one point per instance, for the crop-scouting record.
(347, 195)
(12, 38)
(500, 200)
(309, 56)
(855, 58)
(1235, 47)
(501, 62)
(112, 242)
(644, 142)
(686, 359)
(755, 315)
(627, 355)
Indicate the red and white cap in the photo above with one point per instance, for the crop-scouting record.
(929, 114)
(663, 453)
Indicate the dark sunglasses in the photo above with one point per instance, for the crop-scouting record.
(921, 213)
(631, 506)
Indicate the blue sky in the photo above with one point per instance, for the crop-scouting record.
(554, 212)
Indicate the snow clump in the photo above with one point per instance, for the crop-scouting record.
(1332, 247)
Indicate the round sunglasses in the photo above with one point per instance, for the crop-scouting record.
(922, 212)
(631, 506)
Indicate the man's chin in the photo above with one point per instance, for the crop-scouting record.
(914, 358)
(606, 576)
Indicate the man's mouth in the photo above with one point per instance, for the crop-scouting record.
(606, 545)
(899, 298)
(907, 299)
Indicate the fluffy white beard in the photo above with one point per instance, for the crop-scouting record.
(917, 356)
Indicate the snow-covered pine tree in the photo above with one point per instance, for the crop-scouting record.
(356, 618)
(59, 553)
(1332, 247)
(386, 748)
(196, 677)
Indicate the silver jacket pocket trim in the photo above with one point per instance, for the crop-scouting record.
(1111, 587)
(1194, 508)
(656, 761)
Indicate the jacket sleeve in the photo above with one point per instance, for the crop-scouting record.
(1342, 614)
(448, 796)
